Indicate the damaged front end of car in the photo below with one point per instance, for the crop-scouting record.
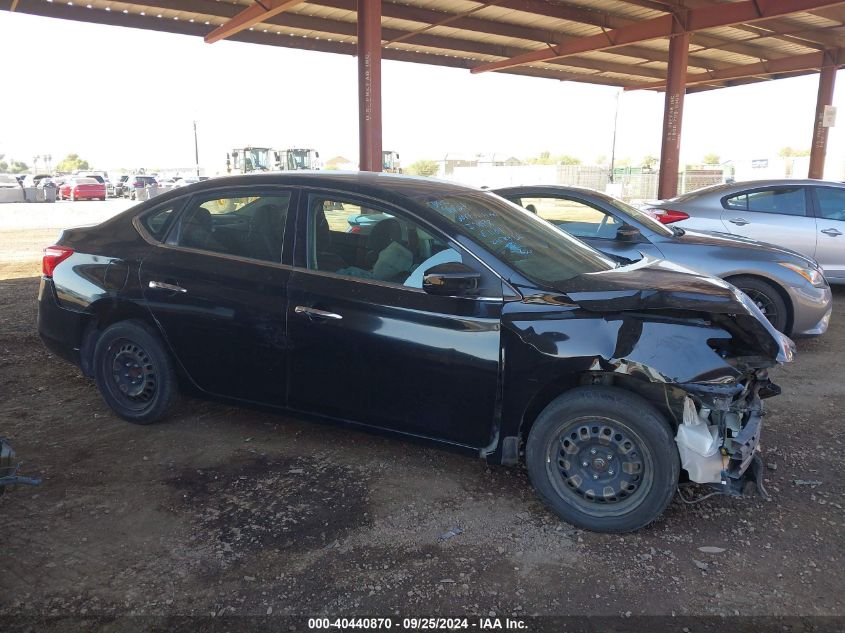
(709, 349)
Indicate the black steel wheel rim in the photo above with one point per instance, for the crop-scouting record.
(131, 374)
(765, 303)
(600, 465)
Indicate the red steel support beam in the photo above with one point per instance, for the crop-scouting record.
(818, 150)
(779, 66)
(369, 85)
(705, 17)
(673, 114)
(261, 11)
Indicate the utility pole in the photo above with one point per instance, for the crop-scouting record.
(196, 151)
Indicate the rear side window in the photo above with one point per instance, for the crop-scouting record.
(782, 200)
(158, 221)
(831, 203)
(244, 226)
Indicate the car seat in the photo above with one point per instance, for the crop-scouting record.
(266, 233)
(381, 236)
(326, 259)
(196, 229)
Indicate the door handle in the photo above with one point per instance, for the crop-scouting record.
(832, 232)
(739, 221)
(314, 312)
(160, 285)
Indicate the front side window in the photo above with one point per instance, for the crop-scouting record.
(349, 238)
(536, 249)
(783, 200)
(573, 216)
(831, 203)
(243, 226)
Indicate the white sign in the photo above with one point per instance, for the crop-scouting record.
(829, 116)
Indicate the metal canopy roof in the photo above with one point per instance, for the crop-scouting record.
(612, 42)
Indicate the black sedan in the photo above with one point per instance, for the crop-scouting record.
(460, 318)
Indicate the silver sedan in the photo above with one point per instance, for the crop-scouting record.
(807, 216)
(787, 287)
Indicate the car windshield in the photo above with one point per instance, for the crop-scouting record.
(86, 181)
(639, 216)
(535, 248)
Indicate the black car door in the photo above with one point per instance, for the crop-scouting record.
(217, 288)
(369, 346)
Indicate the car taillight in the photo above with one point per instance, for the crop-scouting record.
(53, 256)
(355, 229)
(667, 216)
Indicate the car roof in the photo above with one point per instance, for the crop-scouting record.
(364, 181)
(726, 188)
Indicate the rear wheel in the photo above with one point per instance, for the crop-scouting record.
(767, 298)
(603, 459)
(134, 372)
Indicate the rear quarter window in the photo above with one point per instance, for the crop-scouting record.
(158, 221)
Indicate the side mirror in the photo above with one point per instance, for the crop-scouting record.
(451, 279)
(628, 233)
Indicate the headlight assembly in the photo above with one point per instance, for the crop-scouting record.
(814, 275)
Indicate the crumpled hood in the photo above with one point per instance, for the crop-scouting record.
(711, 238)
(654, 284)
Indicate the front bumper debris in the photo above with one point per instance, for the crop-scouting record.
(733, 415)
(9, 469)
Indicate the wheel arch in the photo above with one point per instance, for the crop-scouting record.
(668, 399)
(104, 313)
(774, 283)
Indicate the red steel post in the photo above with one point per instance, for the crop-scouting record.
(827, 78)
(369, 85)
(673, 112)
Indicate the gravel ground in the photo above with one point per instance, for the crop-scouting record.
(231, 511)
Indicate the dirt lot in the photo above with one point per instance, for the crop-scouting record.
(231, 511)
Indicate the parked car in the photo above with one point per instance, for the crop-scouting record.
(9, 181)
(32, 180)
(807, 216)
(468, 322)
(136, 181)
(82, 188)
(182, 181)
(120, 186)
(789, 288)
(100, 177)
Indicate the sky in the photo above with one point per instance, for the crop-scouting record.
(126, 98)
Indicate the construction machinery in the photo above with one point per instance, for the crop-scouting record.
(390, 162)
(250, 159)
(301, 159)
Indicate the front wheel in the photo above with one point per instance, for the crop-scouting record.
(603, 459)
(134, 372)
(767, 298)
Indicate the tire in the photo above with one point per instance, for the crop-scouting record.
(767, 298)
(147, 388)
(629, 450)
